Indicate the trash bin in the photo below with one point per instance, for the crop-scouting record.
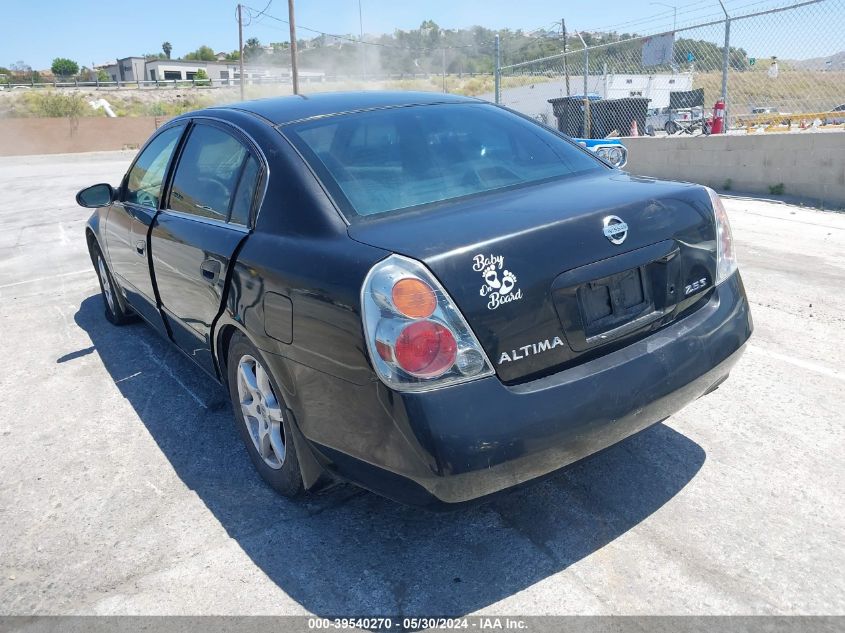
(623, 112)
(569, 112)
(606, 115)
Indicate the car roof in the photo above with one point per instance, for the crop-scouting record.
(282, 110)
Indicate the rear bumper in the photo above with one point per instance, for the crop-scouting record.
(475, 439)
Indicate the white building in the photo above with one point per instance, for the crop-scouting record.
(132, 69)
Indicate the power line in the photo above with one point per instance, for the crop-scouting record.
(353, 40)
(700, 11)
(262, 12)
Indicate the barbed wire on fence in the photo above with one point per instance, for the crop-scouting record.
(773, 66)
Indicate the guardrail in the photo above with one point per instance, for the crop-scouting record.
(151, 84)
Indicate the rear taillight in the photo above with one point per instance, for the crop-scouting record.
(416, 336)
(726, 264)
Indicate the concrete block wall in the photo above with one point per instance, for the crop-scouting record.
(810, 165)
(89, 134)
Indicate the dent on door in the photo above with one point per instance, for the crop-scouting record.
(190, 262)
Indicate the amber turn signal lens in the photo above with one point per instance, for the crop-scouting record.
(414, 298)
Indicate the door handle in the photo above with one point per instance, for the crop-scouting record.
(210, 269)
(141, 247)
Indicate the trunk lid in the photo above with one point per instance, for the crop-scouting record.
(537, 277)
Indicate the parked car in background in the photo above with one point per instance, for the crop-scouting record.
(610, 149)
(428, 295)
(656, 119)
(671, 121)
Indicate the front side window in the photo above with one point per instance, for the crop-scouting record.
(208, 177)
(386, 160)
(143, 187)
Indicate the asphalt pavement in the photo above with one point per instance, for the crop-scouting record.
(124, 488)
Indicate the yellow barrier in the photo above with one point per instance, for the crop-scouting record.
(773, 120)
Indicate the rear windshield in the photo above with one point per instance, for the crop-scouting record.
(387, 160)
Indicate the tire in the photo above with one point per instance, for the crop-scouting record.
(671, 128)
(117, 312)
(262, 418)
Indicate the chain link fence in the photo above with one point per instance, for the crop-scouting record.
(777, 70)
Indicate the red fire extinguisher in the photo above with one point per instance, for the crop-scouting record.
(718, 125)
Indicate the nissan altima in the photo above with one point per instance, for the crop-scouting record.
(430, 296)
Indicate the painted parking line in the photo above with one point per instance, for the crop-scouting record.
(32, 281)
(797, 362)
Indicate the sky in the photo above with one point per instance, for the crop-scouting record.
(94, 32)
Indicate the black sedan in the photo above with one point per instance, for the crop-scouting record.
(431, 296)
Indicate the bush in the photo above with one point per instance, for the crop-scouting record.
(53, 104)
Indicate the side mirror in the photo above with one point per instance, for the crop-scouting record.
(100, 195)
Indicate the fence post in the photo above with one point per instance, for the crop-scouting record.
(726, 61)
(586, 93)
(498, 78)
(586, 130)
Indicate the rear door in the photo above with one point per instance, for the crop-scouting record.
(207, 214)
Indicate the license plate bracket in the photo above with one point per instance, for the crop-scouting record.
(612, 301)
(617, 297)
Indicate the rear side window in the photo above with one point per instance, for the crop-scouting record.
(386, 160)
(208, 180)
(246, 191)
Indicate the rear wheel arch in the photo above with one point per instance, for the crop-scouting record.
(221, 349)
(311, 471)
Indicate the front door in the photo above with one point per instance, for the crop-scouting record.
(194, 237)
(130, 218)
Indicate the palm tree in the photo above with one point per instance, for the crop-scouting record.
(252, 49)
(167, 47)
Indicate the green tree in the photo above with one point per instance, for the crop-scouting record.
(167, 47)
(102, 75)
(63, 67)
(203, 53)
(253, 49)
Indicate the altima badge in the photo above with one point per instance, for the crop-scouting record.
(615, 229)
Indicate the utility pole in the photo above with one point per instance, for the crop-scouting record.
(443, 50)
(565, 68)
(363, 47)
(241, 49)
(497, 70)
(294, 74)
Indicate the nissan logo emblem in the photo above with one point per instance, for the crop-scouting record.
(615, 229)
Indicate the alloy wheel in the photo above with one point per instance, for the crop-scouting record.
(261, 410)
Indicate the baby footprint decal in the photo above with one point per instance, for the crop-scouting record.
(491, 277)
(508, 282)
(499, 283)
